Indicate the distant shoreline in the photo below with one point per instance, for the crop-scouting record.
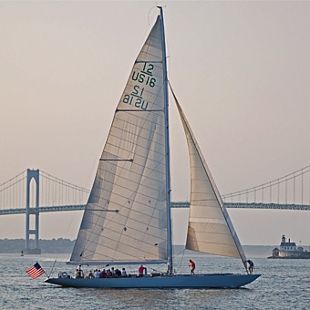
(65, 246)
(60, 245)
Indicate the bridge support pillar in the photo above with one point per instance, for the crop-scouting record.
(32, 212)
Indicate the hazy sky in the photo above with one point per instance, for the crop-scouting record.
(241, 71)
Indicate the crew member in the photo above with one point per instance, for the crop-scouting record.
(251, 266)
(192, 266)
(141, 270)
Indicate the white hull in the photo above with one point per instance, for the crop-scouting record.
(211, 281)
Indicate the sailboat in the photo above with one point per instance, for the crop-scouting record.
(127, 219)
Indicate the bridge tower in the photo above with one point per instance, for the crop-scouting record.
(32, 212)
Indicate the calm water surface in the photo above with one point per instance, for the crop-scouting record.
(284, 284)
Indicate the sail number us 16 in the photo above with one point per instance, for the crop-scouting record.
(145, 76)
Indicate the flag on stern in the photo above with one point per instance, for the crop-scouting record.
(35, 271)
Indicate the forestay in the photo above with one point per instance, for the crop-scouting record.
(209, 229)
(125, 218)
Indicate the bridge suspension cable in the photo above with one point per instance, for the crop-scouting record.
(12, 191)
(292, 188)
(56, 191)
(62, 182)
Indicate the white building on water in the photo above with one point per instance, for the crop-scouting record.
(288, 249)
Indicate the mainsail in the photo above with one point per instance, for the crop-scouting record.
(125, 219)
(209, 229)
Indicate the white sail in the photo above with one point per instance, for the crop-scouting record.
(210, 229)
(126, 215)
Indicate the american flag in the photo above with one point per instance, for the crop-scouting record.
(35, 271)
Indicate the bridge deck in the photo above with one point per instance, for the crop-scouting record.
(181, 205)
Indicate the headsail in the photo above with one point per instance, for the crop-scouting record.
(210, 229)
(125, 218)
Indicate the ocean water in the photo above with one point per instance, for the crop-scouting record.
(284, 284)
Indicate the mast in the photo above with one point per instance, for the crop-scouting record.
(166, 111)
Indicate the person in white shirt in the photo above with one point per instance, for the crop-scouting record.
(124, 273)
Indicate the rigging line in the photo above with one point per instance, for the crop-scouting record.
(148, 177)
(124, 252)
(124, 131)
(132, 181)
(138, 118)
(125, 197)
(155, 208)
(129, 245)
(182, 257)
(150, 170)
(133, 218)
(302, 189)
(103, 210)
(144, 214)
(140, 203)
(52, 269)
(135, 137)
(119, 147)
(112, 159)
(148, 61)
(135, 192)
(139, 158)
(129, 110)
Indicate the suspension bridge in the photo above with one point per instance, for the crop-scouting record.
(32, 192)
